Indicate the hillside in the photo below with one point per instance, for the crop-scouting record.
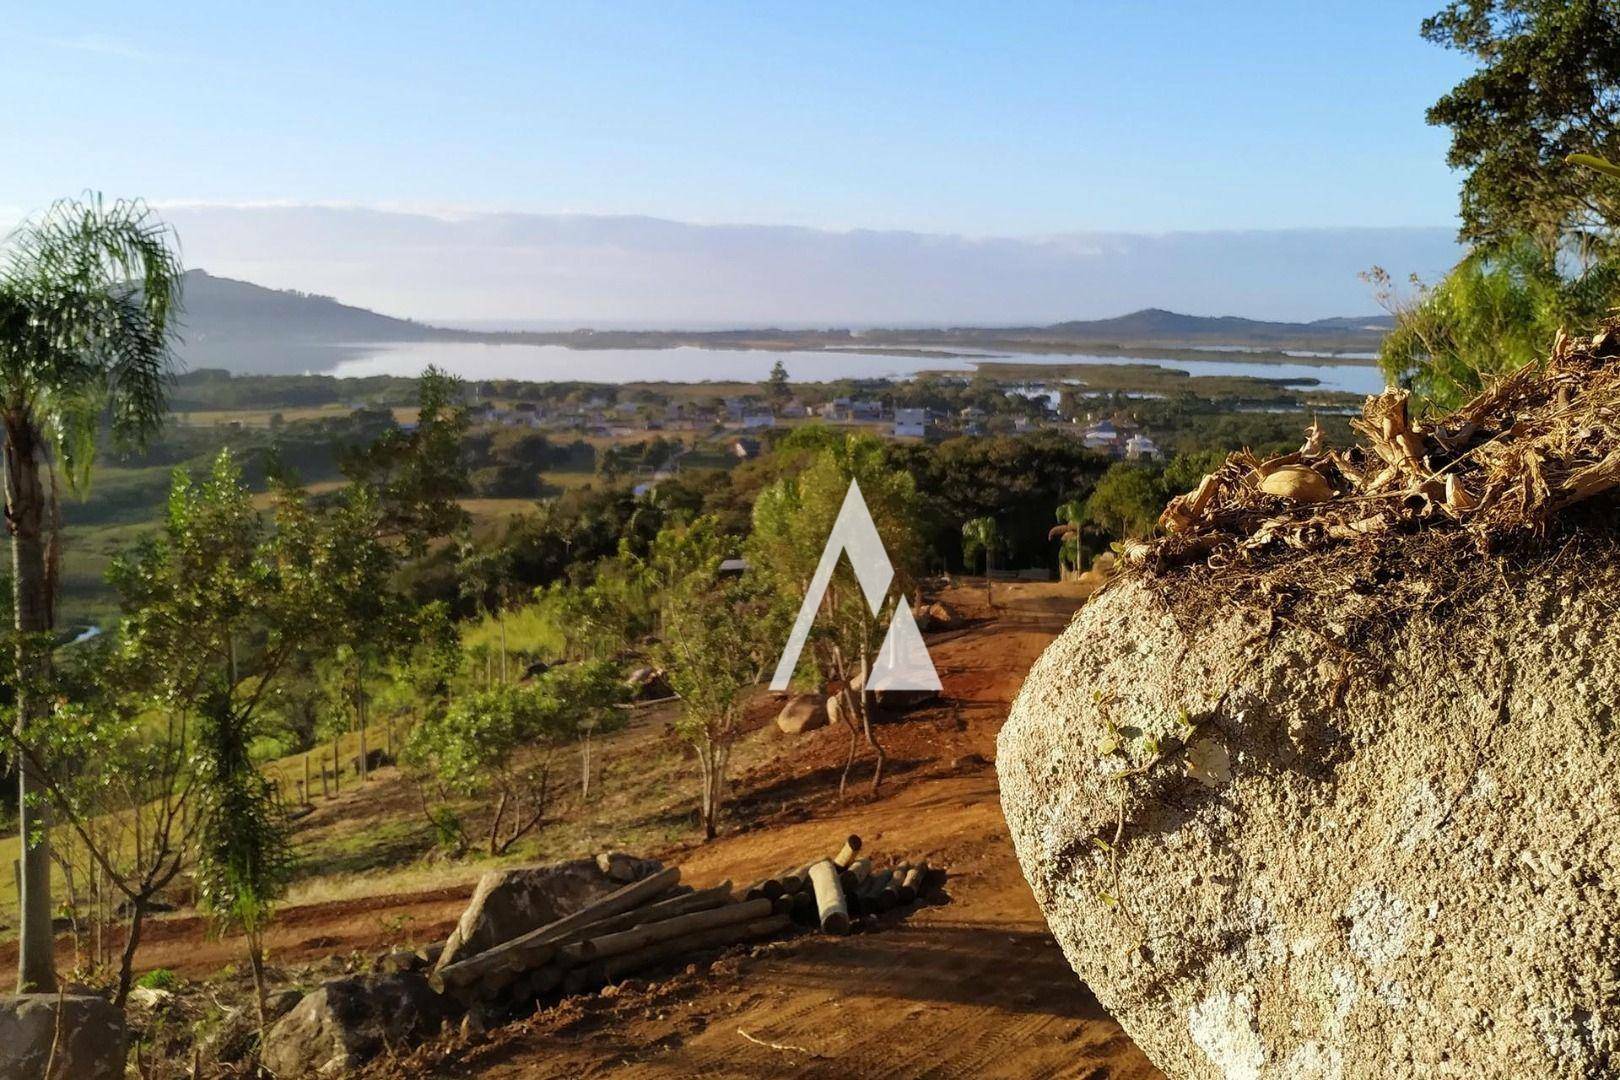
(249, 329)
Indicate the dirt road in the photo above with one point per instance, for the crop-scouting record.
(974, 987)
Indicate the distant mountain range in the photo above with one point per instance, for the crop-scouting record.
(250, 329)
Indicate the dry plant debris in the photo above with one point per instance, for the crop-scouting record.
(1498, 470)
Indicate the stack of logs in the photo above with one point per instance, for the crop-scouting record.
(657, 920)
(834, 893)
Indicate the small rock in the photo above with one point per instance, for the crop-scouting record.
(150, 997)
(803, 712)
(397, 961)
(625, 868)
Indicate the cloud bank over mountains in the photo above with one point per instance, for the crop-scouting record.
(544, 270)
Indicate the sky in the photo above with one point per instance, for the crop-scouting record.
(1022, 120)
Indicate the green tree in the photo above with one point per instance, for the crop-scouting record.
(419, 474)
(502, 742)
(777, 388)
(120, 770)
(1546, 86)
(216, 610)
(87, 298)
(1071, 516)
(1127, 500)
(792, 519)
(1497, 310)
(712, 655)
(981, 534)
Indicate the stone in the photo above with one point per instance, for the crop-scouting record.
(1408, 873)
(150, 997)
(91, 1046)
(622, 868)
(841, 710)
(803, 712)
(399, 960)
(237, 1033)
(647, 684)
(509, 903)
(347, 1022)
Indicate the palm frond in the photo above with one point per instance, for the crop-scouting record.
(89, 300)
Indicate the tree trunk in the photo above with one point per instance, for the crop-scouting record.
(260, 991)
(126, 962)
(25, 516)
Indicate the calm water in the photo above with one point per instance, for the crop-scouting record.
(556, 363)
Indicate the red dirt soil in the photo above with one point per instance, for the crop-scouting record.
(972, 985)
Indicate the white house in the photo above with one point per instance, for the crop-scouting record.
(1142, 448)
(910, 423)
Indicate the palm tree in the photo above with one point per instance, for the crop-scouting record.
(1070, 516)
(981, 534)
(87, 298)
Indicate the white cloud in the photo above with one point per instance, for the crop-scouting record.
(448, 263)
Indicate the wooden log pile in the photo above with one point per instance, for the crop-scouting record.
(658, 920)
(837, 893)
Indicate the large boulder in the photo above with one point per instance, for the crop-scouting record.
(88, 1043)
(349, 1021)
(803, 712)
(1404, 867)
(509, 903)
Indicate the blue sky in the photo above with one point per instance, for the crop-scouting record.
(985, 120)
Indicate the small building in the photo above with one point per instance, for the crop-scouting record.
(1142, 448)
(910, 423)
(756, 420)
(866, 410)
(836, 410)
(1103, 437)
(744, 449)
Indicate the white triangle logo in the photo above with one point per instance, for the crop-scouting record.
(903, 663)
(854, 531)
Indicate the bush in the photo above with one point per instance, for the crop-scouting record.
(158, 979)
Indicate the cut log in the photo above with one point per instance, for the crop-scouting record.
(609, 969)
(769, 889)
(858, 871)
(679, 904)
(804, 907)
(640, 937)
(876, 896)
(536, 947)
(852, 846)
(912, 886)
(832, 909)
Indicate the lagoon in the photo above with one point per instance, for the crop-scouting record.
(691, 364)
